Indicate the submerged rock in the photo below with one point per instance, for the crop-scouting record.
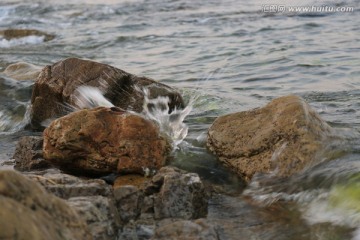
(27, 211)
(284, 137)
(22, 71)
(104, 140)
(20, 33)
(28, 154)
(56, 87)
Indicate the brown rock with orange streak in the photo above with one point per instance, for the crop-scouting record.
(103, 140)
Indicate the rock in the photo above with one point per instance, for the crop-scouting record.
(67, 186)
(27, 211)
(20, 33)
(57, 84)
(22, 71)
(28, 154)
(284, 137)
(195, 230)
(128, 200)
(99, 214)
(180, 195)
(130, 179)
(172, 195)
(91, 198)
(102, 141)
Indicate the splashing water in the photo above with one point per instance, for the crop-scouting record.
(157, 109)
(90, 97)
(170, 123)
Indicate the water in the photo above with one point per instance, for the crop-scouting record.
(231, 55)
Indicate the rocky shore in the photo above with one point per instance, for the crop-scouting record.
(101, 173)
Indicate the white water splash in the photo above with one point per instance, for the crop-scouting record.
(11, 124)
(90, 97)
(157, 109)
(172, 123)
(4, 43)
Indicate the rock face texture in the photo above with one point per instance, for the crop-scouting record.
(27, 211)
(55, 89)
(28, 154)
(104, 140)
(285, 137)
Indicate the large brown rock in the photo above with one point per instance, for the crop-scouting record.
(56, 86)
(104, 140)
(27, 211)
(284, 137)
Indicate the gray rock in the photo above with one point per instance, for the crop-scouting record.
(67, 186)
(28, 154)
(99, 213)
(181, 195)
(27, 211)
(128, 200)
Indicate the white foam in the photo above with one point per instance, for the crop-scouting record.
(90, 97)
(32, 40)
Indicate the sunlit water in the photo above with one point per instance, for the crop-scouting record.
(229, 54)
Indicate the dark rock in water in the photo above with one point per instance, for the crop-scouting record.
(101, 141)
(20, 33)
(284, 137)
(28, 154)
(57, 84)
(27, 211)
(198, 229)
(22, 71)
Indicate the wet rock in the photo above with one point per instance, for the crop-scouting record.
(181, 195)
(102, 141)
(284, 137)
(196, 230)
(28, 154)
(22, 71)
(20, 33)
(91, 198)
(67, 186)
(99, 213)
(57, 84)
(172, 195)
(27, 211)
(128, 201)
(130, 179)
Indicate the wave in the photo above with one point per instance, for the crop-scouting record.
(28, 40)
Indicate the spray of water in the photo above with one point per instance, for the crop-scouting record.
(157, 109)
(170, 123)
